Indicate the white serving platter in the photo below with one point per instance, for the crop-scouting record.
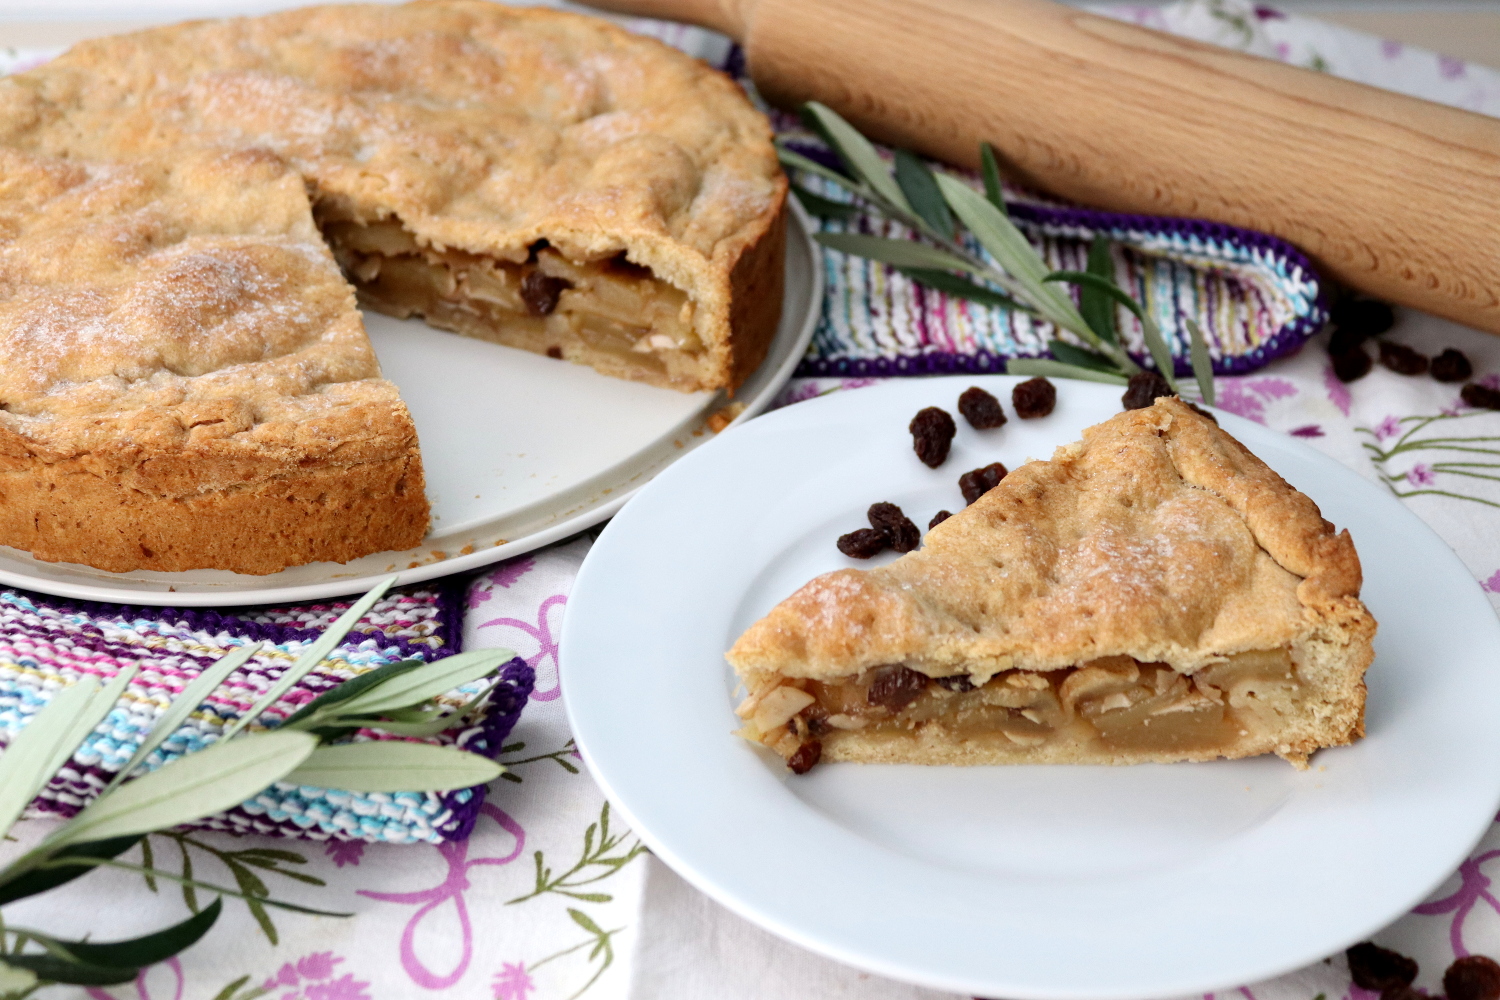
(519, 451)
(1030, 882)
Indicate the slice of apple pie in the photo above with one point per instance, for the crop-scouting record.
(1152, 593)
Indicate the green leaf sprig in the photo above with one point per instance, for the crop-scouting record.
(928, 203)
(398, 699)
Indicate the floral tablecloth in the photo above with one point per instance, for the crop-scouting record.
(552, 899)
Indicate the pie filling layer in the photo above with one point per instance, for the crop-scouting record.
(609, 311)
(1112, 705)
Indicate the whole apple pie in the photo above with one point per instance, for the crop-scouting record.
(530, 177)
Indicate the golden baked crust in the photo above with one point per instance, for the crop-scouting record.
(184, 379)
(482, 130)
(1158, 539)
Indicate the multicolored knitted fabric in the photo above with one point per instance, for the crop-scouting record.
(1256, 297)
(46, 644)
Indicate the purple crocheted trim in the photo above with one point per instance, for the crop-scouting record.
(506, 703)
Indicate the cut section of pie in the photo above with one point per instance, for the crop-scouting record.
(1154, 592)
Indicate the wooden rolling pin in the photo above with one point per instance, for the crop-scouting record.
(1397, 197)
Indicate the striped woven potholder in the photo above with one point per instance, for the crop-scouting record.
(1255, 296)
(46, 644)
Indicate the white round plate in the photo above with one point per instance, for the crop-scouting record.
(1043, 882)
(519, 451)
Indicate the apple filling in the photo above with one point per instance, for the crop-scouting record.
(611, 314)
(1116, 704)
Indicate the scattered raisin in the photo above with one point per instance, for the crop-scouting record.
(1353, 366)
(816, 718)
(1033, 398)
(1345, 339)
(1481, 397)
(1143, 390)
(1402, 359)
(1473, 977)
(977, 483)
(900, 533)
(958, 682)
(895, 686)
(1363, 317)
(863, 544)
(938, 519)
(555, 353)
(980, 409)
(932, 433)
(1451, 366)
(540, 292)
(1376, 968)
(805, 757)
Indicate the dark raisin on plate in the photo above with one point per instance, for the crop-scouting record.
(980, 409)
(1143, 390)
(805, 756)
(1376, 968)
(932, 433)
(900, 532)
(1363, 317)
(1473, 977)
(1402, 359)
(863, 544)
(1481, 397)
(1346, 339)
(1033, 398)
(894, 686)
(541, 291)
(958, 682)
(938, 519)
(1353, 366)
(978, 482)
(1451, 366)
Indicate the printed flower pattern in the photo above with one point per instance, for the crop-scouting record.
(313, 977)
(512, 982)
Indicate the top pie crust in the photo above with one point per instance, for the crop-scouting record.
(1157, 537)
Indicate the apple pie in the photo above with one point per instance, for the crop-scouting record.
(1153, 592)
(529, 177)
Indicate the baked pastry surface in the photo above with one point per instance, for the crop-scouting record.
(184, 378)
(1154, 592)
(186, 381)
(533, 177)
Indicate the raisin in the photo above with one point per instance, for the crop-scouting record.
(1451, 366)
(1481, 397)
(938, 519)
(816, 718)
(977, 483)
(805, 757)
(1353, 366)
(932, 433)
(958, 682)
(1376, 968)
(895, 687)
(1402, 359)
(980, 409)
(900, 533)
(540, 292)
(1033, 398)
(1143, 390)
(1473, 977)
(1344, 340)
(863, 544)
(555, 353)
(1363, 317)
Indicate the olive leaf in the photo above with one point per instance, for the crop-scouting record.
(921, 190)
(1058, 369)
(324, 703)
(796, 161)
(856, 152)
(148, 949)
(190, 787)
(25, 768)
(29, 883)
(60, 970)
(1203, 368)
(310, 657)
(1096, 306)
(394, 766)
(429, 680)
(824, 208)
(963, 288)
(1068, 354)
(989, 168)
(898, 253)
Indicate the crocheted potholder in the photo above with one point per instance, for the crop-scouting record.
(1255, 296)
(46, 644)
